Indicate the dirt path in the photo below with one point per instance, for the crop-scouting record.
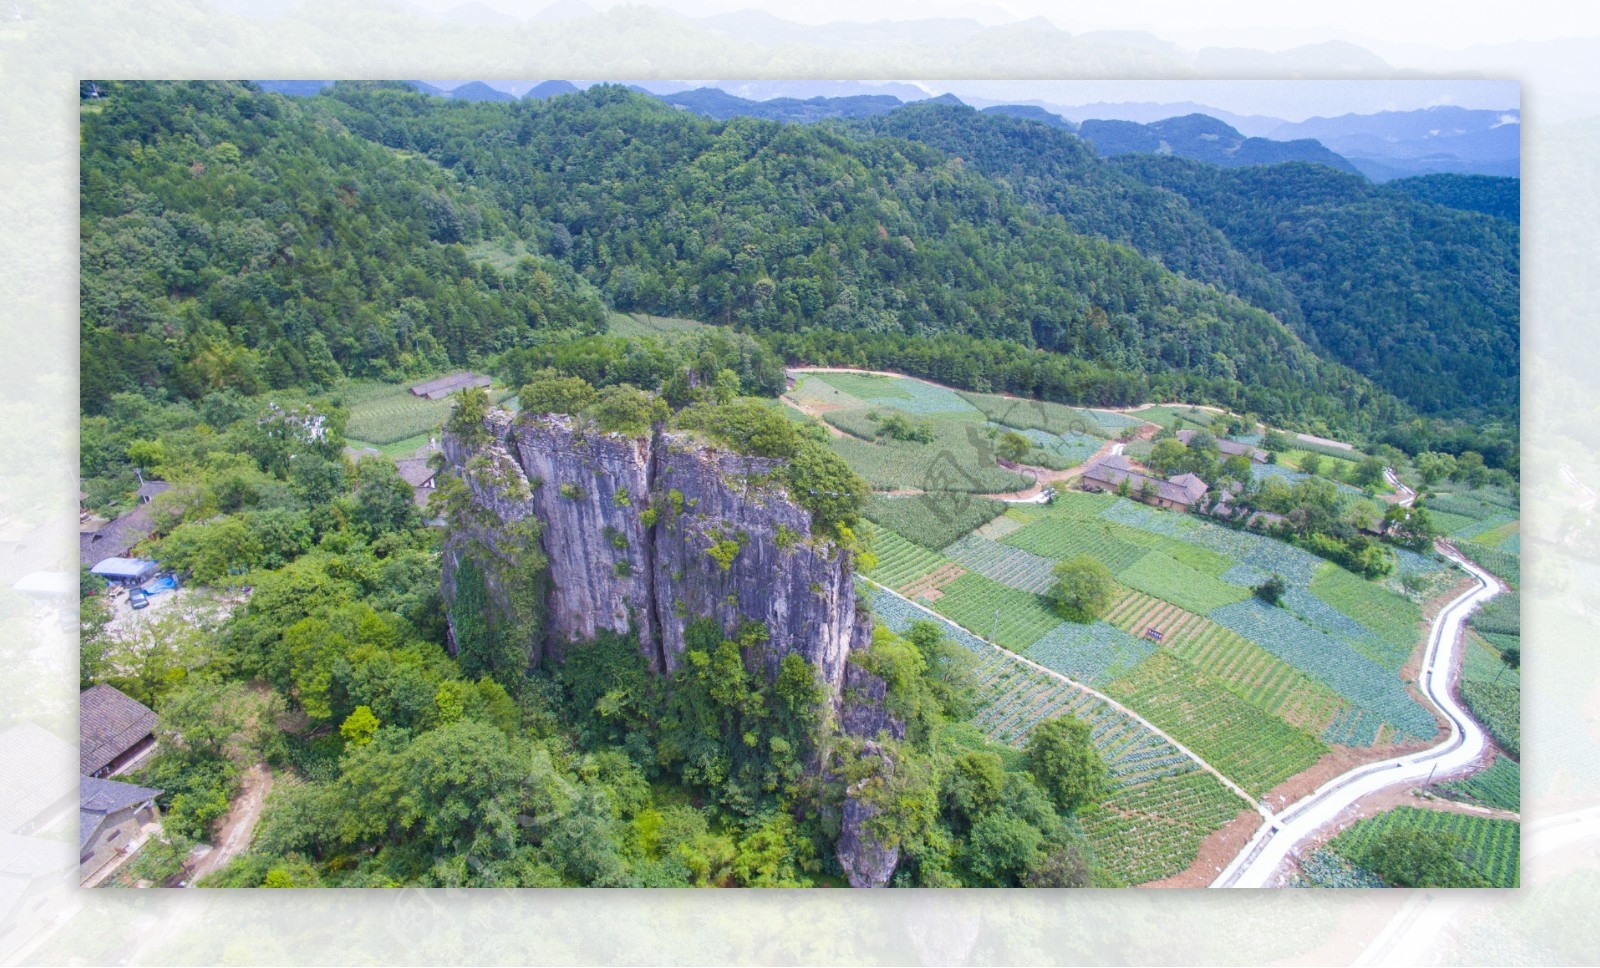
(238, 827)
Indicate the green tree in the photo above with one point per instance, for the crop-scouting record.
(1062, 758)
(1169, 457)
(359, 727)
(1409, 857)
(1368, 472)
(1013, 447)
(548, 391)
(1272, 590)
(625, 409)
(1083, 589)
(1434, 467)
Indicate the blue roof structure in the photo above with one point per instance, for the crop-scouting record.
(125, 569)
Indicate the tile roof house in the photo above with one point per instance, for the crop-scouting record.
(150, 489)
(417, 472)
(1177, 493)
(1230, 448)
(117, 538)
(446, 385)
(113, 730)
(111, 821)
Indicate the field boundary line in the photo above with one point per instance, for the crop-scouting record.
(1239, 791)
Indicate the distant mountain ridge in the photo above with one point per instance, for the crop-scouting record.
(1383, 146)
(1203, 138)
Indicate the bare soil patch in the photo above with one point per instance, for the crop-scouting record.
(1222, 846)
(238, 827)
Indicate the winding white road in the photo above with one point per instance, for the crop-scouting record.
(1261, 860)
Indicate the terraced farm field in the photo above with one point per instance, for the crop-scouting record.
(1490, 846)
(1493, 692)
(1244, 668)
(1095, 653)
(385, 413)
(899, 393)
(1149, 832)
(1062, 537)
(1255, 750)
(899, 561)
(961, 457)
(1393, 618)
(1010, 617)
(1024, 415)
(932, 520)
(1005, 564)
(1331, 661)
(1498, 786)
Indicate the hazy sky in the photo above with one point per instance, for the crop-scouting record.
(1290, 100)
(1272, 24)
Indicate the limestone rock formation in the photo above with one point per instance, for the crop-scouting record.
(645, 534)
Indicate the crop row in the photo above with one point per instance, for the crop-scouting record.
(1498, 786)
(897, 615)
(1061, 538)
(1009, 617)
(1154, 830)
(1247, 548)
(933, 520)
(1071, 448)
(1489, 845)
(1005, 564)
(1324, 868)
(1330, 661)
(1170, 580)
(960, 457)
(911, 396)
(1012, 698)
(1502, 614)
(1146, 518)
(1318, 614)
(1393, 618)
(1018, 414)
(899, 560)
(1494, 693)
(1094, 653)
(1244, 668)
(1255, 750)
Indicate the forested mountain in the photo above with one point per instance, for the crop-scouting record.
(1422, 298)
(1061, 174)
(1500, 197)
(235, 238)
(777, 228)
(238, 240)
(1206, 139)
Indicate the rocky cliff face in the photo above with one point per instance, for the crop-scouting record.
(644, 535)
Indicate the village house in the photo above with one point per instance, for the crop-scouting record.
(1229, 448)
(114, 731)
(446, 385)
(116, 538)
(114, 821)
(1178, 493)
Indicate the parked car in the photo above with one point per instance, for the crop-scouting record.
(138, 599)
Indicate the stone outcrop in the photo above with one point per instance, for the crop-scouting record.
(866, 861)
(644, 535)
